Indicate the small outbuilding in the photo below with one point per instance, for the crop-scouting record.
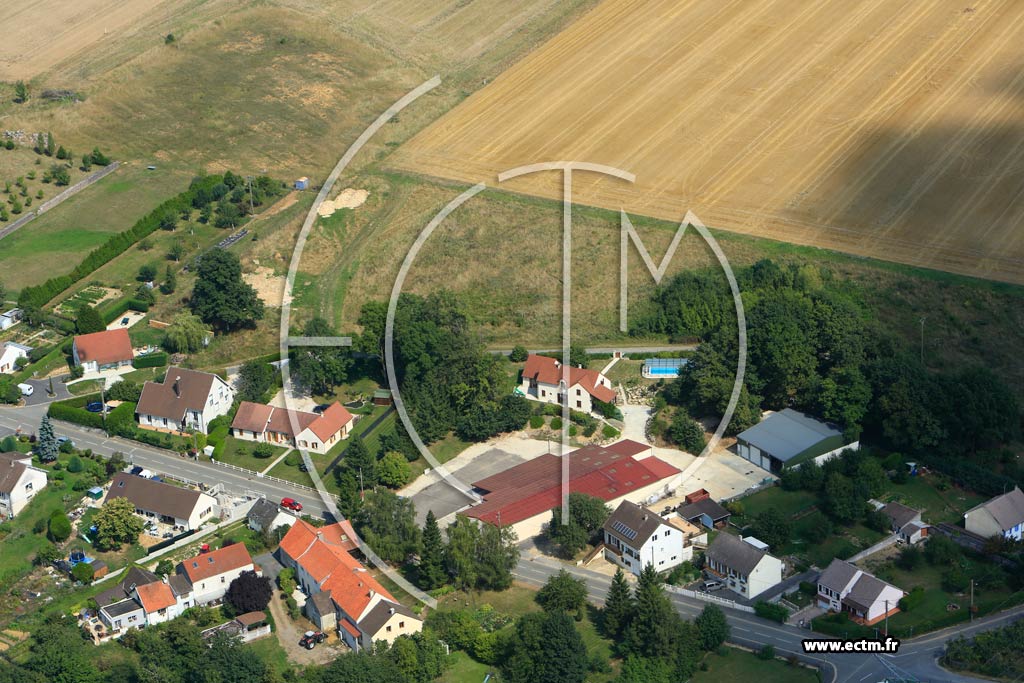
(302, 183)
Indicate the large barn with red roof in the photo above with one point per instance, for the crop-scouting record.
(523, 496)
(343, 595)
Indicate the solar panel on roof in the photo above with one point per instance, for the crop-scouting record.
(624, 530)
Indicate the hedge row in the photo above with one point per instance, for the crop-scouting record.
(768, 610)
(152, 360)
(39, 295)
(80, 416)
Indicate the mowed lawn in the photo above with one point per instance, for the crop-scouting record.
(740, 665)
(921, 493)
(54, 243)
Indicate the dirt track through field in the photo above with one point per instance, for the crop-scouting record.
(885, 128)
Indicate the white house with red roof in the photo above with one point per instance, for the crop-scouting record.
(210, 574)
(541, 381)
(317, 433)
(343, 595)
(106, 350)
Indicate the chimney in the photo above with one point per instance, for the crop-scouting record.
(177, 387)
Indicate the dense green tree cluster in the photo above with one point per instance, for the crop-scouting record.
(255, 379)
(586, 515)
(814, 346)
(319, 368)
(221, 297)
(648, 632)
(995, 654)
(448, 380)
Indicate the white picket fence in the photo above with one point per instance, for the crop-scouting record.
(260, 475)
(709, 597)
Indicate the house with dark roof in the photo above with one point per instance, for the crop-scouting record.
(314, 432)
(266, 515)
(1001, 516)
(141, 599)
(542, 377)
(343, 595)
(635, 536)
(185, 508)
(845, 587)
(905, 522)
(743, 564)
(185, 400)
(20, 481)
(209, 574)
(789, 438)
(523, 496)
(705, 512)
(104, 350)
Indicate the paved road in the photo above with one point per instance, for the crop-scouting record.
(41, 386)
(160, 460)
(626, 350)
(917, 657)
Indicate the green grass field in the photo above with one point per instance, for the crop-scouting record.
(922, 493)
(54, 243)
(239, 452)
(740, 665)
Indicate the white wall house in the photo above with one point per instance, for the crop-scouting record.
(635, 536)
(744, 567)
(106, 350)
(1001, 516)
(169, 504)
(314, 432)
(542, 378)
(10, 355)
(844, 587)
(186, 399)
(19, 483)
(210, 574)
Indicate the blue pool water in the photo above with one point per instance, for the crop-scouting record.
(663, 372)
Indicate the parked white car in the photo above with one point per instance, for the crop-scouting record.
(26, 389)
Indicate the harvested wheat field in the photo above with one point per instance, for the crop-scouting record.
(885, 128)
(41, 34)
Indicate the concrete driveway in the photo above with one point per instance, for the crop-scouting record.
(270, 566)
(444, 500)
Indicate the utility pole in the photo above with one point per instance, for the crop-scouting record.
(972, 599)
(886, 618)
(923, 318)
(252, 209)
(362, 494)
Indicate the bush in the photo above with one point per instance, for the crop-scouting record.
(766, 653)
(152, 360)
(519, 354)
(912, 599)
(293, 459)
(263, 450)
(82, 572)
(60, 526)
(609, 432)
(74, 464)
(767, 610)
(536, 421)
(556, 423)
(80, 416)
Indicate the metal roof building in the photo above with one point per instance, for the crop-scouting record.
(789, 438)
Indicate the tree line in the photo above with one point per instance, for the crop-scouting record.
(813, 345)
